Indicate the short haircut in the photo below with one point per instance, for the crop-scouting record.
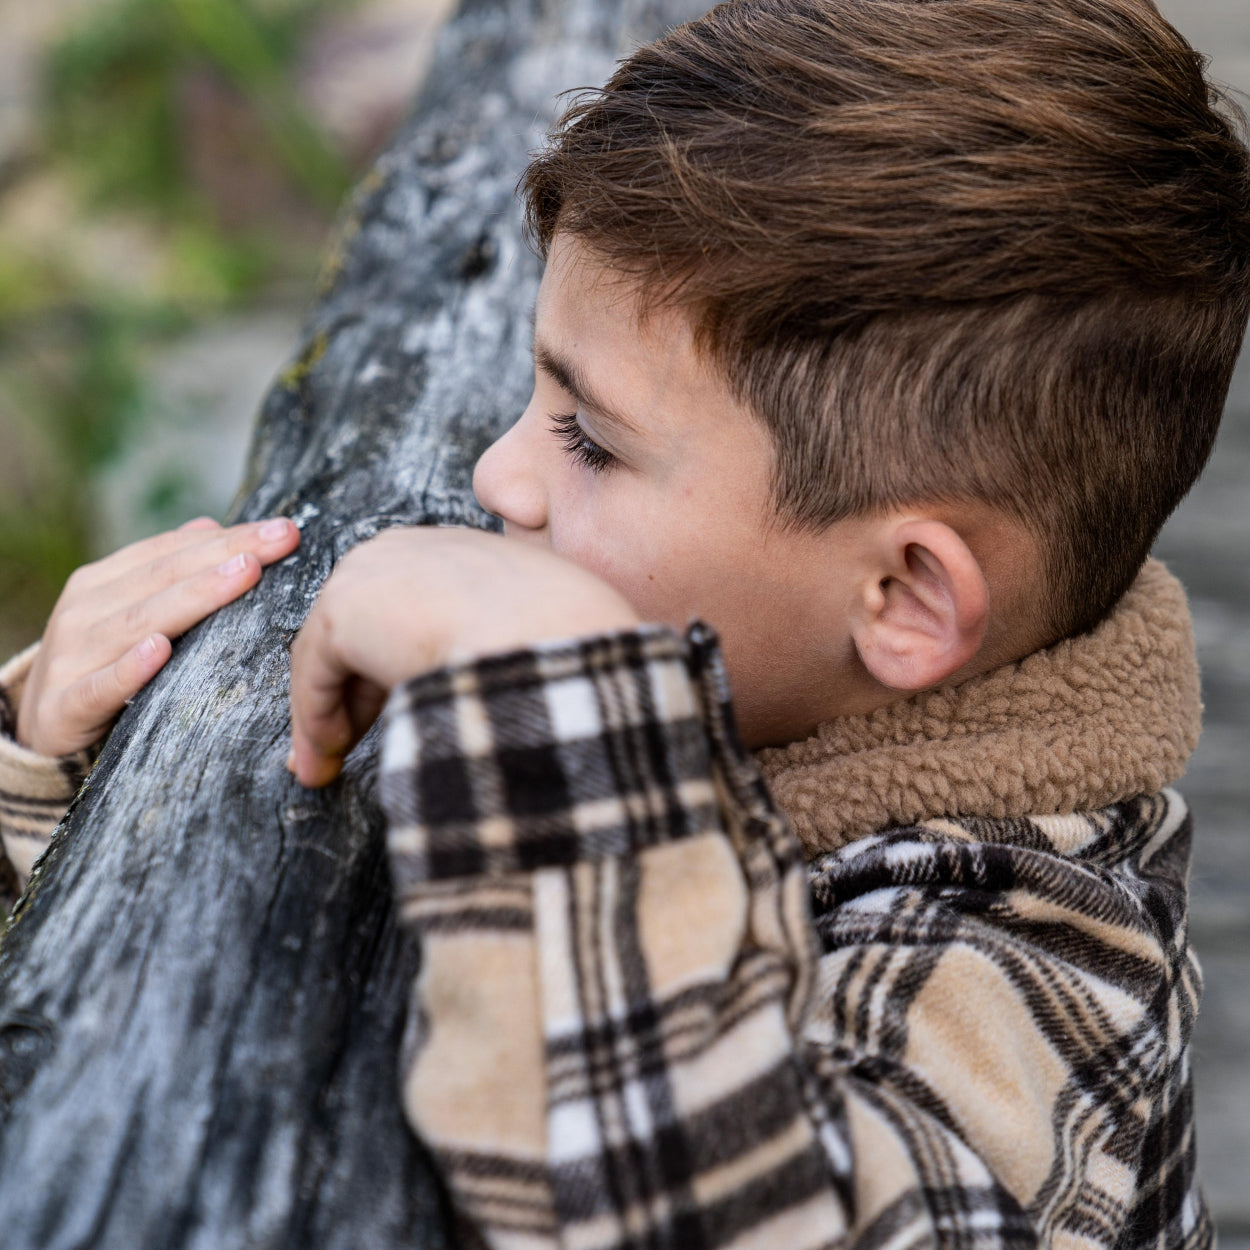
(944, 249)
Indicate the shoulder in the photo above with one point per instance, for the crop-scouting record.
(1083, 913)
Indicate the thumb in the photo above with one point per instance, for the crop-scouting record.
(321, 723)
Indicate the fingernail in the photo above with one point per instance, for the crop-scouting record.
(236, 564)
(147, 648)
(290, 761)
(271, 531)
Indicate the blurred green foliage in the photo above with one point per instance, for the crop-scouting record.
(75, 373)
(118, 126)
(114, 94)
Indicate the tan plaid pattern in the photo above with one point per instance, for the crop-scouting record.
(642, 1020)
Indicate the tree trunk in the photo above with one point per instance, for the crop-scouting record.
(203, 992)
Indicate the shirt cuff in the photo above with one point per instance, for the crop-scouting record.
(550, 755)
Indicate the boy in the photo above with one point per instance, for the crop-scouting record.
(883, 337)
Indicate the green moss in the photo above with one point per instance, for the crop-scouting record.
(348, 229)
(295, 374)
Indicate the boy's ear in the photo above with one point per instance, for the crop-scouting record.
(924, 616)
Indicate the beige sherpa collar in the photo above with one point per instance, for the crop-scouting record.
(1089, 721)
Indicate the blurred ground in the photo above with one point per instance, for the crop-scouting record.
(1206, 545)
(184, 452)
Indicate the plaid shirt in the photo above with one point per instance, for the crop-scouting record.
(644, 1020)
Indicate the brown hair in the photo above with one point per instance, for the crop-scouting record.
(980, 249)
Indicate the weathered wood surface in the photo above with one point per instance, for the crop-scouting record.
(202, 994)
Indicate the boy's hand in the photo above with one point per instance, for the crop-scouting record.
(412, 600)
(110, 631)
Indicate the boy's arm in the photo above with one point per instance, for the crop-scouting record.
(606, 1042)
(622, 1034)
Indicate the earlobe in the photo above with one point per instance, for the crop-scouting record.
(925, 608)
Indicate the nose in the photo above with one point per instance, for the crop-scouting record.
(508, 482)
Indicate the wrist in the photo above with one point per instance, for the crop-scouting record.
(558, 619)
(16, 699)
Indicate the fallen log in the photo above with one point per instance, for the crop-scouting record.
(203, 991)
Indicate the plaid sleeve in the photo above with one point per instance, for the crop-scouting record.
(35, 789)
(609, 1041)
(602, 1053)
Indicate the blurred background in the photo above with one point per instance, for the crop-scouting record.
(169, 170)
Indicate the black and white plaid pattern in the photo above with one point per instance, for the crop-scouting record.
(643, 1020)
(544, 758)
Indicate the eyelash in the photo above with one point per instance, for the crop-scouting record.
(578, 445)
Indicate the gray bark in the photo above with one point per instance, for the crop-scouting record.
(203, 992)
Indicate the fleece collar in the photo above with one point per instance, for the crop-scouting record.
(1090, 721)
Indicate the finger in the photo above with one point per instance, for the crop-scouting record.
(365, 700)
(95, 700)
(135, 555)
(321, 728)
(174, 610)
(199, 523)
(166, 558)
(94, 625)
(312, 769)
(266, 540)
(214, 551)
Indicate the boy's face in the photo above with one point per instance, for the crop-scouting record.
(635, 460)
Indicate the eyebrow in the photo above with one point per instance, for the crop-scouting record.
(568, 377)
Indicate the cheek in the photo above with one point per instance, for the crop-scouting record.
(613, 534)
(662, 580)
(673, 551)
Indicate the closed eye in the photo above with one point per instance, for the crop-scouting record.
(578, 445)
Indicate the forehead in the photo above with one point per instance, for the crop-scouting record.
(580, 288)
(591, 317)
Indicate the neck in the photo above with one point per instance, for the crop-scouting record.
(1080, 725)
